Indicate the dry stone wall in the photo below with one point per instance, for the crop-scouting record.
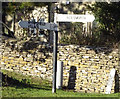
(86, 69)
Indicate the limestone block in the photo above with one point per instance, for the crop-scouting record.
(15, 68)
(86, 56)
(1, 50)
(83, 66)
(3, 63)
(95, 67)
(6, 53)
(36, 71)
(2, 66)
(42, 75)
(42, 69)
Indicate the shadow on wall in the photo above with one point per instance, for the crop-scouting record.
(116, 88)
(72, 77)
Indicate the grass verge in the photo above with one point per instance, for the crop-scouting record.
(17, 85)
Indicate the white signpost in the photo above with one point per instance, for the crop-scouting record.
(39, 25)
(110, 81)
(74, 18)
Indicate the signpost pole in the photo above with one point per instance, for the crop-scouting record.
(54, 60)
(55, 39)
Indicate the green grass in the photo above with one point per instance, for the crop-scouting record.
(29, 92)
(25, 86)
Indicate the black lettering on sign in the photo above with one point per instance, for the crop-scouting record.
(69, 17)
(76, 17)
